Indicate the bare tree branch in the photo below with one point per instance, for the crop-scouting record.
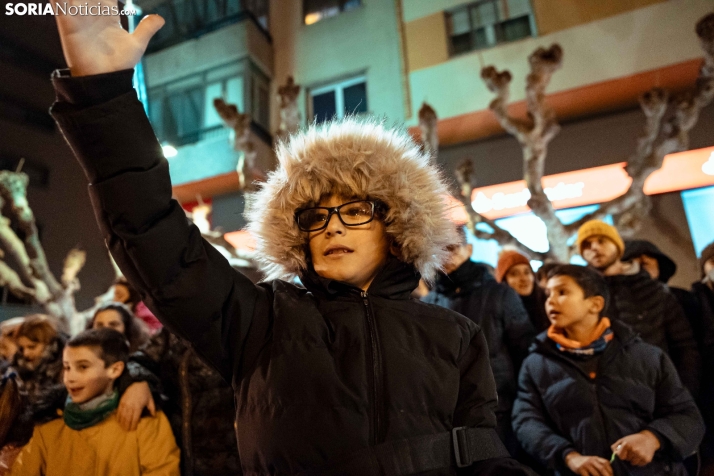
(686, 109)
(289, 110)
(464, 176)
(429, 132)
(242, 142)
(533, 135)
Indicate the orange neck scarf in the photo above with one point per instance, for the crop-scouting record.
(557, 335)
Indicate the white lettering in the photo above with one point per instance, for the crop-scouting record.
(18, 7)
(48, 9)
(61, 7)
(8, 9)
(73, 10)
(32, 9)
(506, 201)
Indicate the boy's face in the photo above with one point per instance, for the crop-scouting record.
(85, 374)
(600, 252)
(567, 305)
(350, 254)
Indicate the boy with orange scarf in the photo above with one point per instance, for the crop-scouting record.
(593, 399)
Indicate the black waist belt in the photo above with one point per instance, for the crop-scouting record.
(460, 447)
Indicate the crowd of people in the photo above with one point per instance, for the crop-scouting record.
(600, 370)
(591, 370)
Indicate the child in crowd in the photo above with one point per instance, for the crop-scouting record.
(39, 363)
(593, 398)
(119, 317)
(514, 269)
(126, 294)
(93, 360)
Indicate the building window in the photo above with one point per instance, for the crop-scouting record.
(316, 10)
(339, 99)
(182, 111)
(487, 23)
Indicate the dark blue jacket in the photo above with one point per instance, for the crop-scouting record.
(559, 408)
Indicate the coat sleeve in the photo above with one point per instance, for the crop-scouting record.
(676, 417)
(158, 453)
(478, 399)
(531, 424)
(681, 344)
(517, 326)
(32, 460)
(184, 280)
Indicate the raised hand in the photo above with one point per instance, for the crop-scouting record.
(95, 44)
(638, 448)
(588, 465)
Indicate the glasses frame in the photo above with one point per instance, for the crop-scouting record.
(336, 211)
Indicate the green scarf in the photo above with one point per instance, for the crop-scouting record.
(78, 419)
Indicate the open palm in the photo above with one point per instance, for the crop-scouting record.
(95, 44)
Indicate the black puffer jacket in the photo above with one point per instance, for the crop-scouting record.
(654, 313)
(473, 292)
(559, 407)
(705, 337)
(199, 406)
(318, 373)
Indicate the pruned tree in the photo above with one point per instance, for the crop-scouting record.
(290, 119)
(669, 118)
(30, 277)
(239, 124)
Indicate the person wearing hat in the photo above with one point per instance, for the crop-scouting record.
(514, 269)
(471, 290)
(646, 305)
(347, 375)
(704, 292)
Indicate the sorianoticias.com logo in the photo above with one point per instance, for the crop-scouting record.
(66, 8)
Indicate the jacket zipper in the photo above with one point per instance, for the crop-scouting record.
(375, 358)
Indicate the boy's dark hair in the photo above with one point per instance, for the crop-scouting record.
(590, 281)
(543, 271)
(113, 346)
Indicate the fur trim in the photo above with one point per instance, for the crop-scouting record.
(352, 157)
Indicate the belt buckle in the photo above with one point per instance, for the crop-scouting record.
(457, 447)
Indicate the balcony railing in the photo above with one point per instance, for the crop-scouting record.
(187, 19)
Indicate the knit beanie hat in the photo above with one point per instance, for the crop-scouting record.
(599, 228)
(707, 254)
(507, 260)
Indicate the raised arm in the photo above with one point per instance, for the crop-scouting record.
(187, 283)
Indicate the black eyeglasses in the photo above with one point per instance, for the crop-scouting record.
(359, 212)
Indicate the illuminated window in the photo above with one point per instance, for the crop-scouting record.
(529, 230)
(316, 10)
(698, 204)
(486, 23)
(338, 99)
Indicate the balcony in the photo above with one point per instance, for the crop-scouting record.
(188, 19)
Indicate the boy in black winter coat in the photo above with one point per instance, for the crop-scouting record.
(593, 399)
(347, 375)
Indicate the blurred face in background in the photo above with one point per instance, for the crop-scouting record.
(459, 255)
(109, 318)
(121, 293)
(649, 264)
(521, 278)
(8, 347)
(600, 252)
(31, 350)
(709, 271)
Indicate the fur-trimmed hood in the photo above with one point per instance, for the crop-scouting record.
(353, 157)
